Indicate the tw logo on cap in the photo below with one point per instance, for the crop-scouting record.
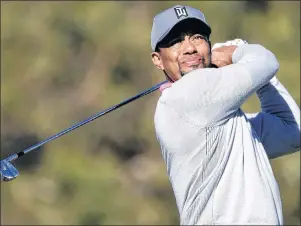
(181, 11)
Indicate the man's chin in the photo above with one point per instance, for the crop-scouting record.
(190, 69)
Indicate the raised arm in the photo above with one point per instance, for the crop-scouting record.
(208, 97)
(278, 124)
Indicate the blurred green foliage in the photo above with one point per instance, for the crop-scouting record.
(64, 61)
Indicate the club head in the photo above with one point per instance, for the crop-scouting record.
(8, 171)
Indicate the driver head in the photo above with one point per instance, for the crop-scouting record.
(8, 171)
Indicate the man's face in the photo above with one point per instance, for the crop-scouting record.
(183, 50)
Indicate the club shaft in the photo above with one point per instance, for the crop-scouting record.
(19, 154)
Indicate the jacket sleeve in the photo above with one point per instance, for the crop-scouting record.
(208, 97)
(278, 123)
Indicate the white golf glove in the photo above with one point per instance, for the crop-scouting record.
(236, 42)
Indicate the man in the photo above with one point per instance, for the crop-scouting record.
(217, 156)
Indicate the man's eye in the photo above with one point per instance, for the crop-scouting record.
(199, 37)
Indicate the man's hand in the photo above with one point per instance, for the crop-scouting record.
(222, 52)
(222, 56)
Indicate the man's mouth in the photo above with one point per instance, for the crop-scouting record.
(192, 62)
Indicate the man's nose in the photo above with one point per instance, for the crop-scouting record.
(188, 46)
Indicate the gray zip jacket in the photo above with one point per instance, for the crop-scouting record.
(217, 156)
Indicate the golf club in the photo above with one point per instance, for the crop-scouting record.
(9, 172)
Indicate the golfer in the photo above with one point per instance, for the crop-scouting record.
(217, 156)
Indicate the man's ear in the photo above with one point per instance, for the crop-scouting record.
(156, 58)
